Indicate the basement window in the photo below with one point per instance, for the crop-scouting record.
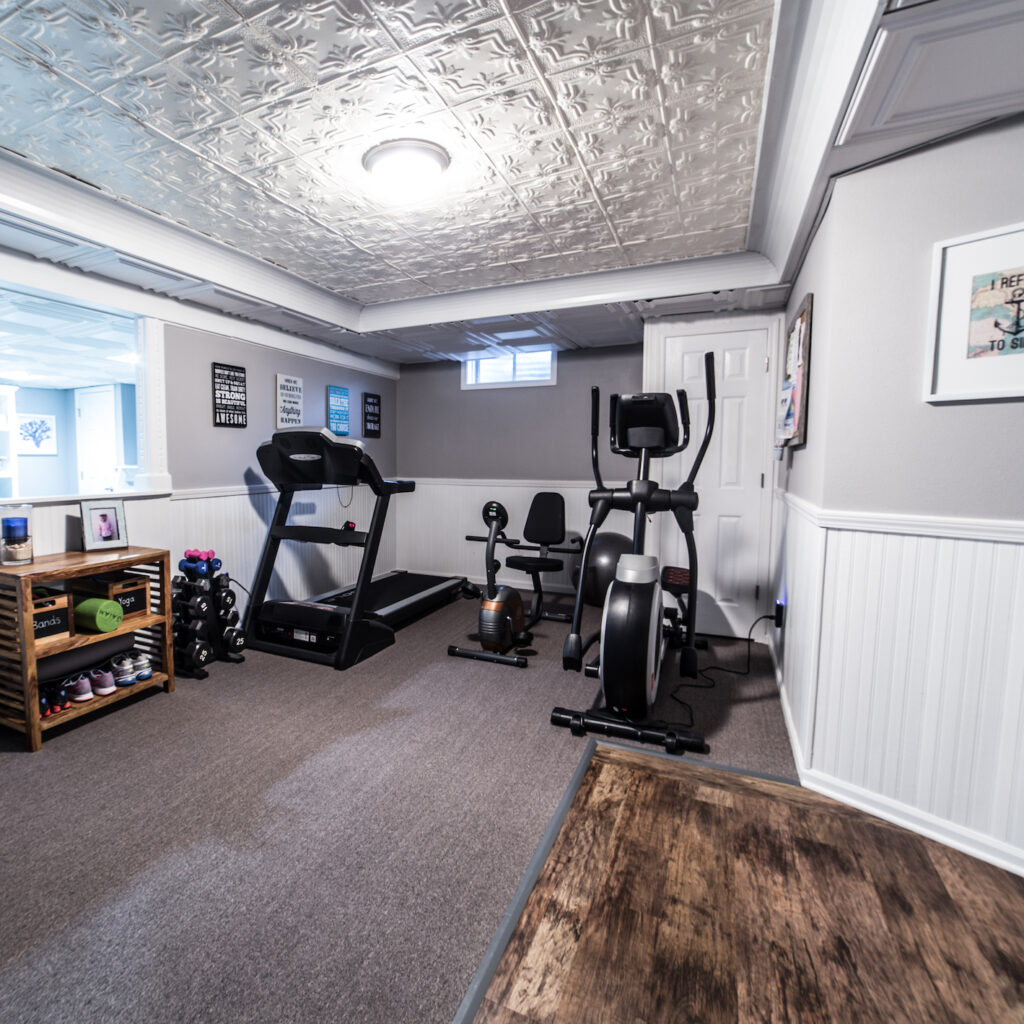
(527, 368)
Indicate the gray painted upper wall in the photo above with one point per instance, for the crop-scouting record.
(522, 433)
(201, 455)
(874, 444)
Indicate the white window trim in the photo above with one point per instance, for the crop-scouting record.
(550, 382)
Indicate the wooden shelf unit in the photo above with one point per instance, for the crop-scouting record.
(20, 651)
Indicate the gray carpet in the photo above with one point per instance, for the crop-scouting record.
(282, 842)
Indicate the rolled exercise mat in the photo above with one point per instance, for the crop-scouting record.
(98, 614)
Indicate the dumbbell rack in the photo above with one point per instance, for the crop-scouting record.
(204, 614)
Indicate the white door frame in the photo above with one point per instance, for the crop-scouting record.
(654, 380)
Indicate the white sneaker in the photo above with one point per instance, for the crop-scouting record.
(141, 663)
(123, 667)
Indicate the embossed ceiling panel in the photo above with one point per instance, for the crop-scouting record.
(587, 135)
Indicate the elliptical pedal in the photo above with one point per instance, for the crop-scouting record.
(675, 580)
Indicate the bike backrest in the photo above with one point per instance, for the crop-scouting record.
(545, 522)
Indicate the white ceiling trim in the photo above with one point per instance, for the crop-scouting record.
(808, 94)
(666, 280)
(35, 275)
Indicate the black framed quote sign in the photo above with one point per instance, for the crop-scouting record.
(229, 409)
(371, 415)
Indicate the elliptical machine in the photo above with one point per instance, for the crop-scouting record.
(635, 626)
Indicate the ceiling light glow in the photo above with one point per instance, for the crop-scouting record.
(406, 170)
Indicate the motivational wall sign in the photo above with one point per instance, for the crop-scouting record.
(289, 401)
(337, 410)
(371, 415)
(229, 408)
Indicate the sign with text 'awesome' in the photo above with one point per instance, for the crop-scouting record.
(289, 401)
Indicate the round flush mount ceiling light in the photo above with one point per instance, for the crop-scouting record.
(405, 170)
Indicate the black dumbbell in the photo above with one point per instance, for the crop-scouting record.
(221, 581)
(228, 617)
(225, 600)
(190, 586)
(193, 655)
(187, 631)
(234, 640)
(195, 606)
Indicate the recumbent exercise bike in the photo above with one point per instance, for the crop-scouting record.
(635, 625)
(503, 622)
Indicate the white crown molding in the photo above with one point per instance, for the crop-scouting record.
(809, 90)
(664, 280)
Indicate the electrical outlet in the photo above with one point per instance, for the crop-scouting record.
(780, 614)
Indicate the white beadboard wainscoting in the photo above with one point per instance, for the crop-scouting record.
(901, 667)
(233, 521)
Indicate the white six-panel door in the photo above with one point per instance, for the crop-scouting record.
(733, 520)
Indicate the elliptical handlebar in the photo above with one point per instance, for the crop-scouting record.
(595, 429)
(709, 382)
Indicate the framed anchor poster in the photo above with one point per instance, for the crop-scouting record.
(976, 343)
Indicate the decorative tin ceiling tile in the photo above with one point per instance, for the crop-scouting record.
(418, 21)
(30, 91)
(512, 117)
(72, 38)
(483, 59)
(166, 27)
(238, 146)
(168, 101)
(245, 67)
(583, 135)
(563, 34)
(330, 38)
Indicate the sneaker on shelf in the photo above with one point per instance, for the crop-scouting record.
(44, 704)
(102, 681)
(79, 688)
(123, 668)
(143, 666)
(58, 696)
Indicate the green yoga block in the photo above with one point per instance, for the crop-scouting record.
(97, 614)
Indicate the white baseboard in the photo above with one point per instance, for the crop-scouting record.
(984, 847)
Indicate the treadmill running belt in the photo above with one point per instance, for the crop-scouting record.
(400, 595)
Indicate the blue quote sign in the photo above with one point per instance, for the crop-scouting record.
(337, 409)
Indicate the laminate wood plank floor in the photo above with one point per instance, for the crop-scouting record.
(680, 893)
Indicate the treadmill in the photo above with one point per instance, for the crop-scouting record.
(348, 626)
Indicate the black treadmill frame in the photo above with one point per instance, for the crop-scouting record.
(290, 459)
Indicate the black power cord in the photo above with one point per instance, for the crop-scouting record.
(710, 681)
